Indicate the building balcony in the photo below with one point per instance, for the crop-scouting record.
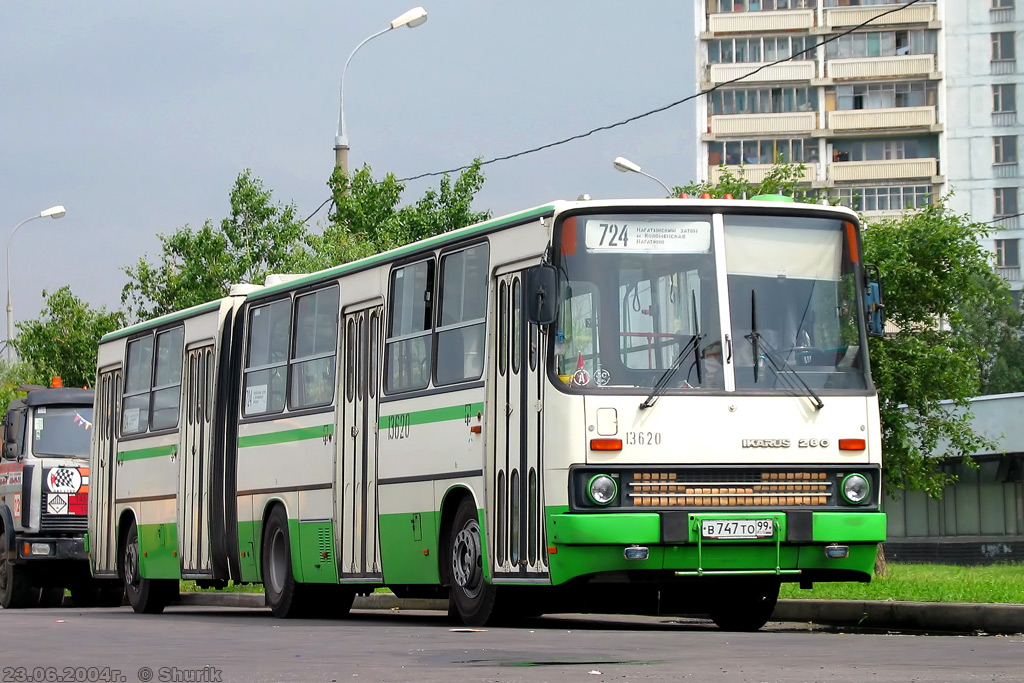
(798, 122)
(787, 71)
(756, 173)
(752, 22)
(845, 17)
(875, 119)
(883, 170)
(1006, 222)
(881, 67)
(1009, 273)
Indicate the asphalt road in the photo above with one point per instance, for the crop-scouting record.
(194, 643)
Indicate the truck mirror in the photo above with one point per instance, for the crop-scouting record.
(542, 294)
(12, 426)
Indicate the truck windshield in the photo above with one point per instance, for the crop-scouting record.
(61, 431)
(644, 303)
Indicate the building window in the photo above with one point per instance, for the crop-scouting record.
(1003, 47)
(1004, 98)
(884, 149)
(1005, 149)
(882, 44)
(763, 100)
(885, 95)
(1005, 201)
(760, 5)
(770, 48)
(1007, 253)
(885, 197)
(1002, 4)
(736, 152)
(410, 321)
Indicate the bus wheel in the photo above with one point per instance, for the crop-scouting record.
(52, 596)
(285, 596)
(748, 608)
(474, 598)
(147, 596)
(16, 592)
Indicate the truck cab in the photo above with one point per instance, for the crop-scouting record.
(44, 489)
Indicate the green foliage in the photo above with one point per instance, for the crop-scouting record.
(934, 269)
(924, 583)
(62, 342)
(782, 178)
(196, 266)
(14, 375)
(367, 219)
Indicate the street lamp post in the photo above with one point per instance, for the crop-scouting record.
(412, 19)
(53, 212)
(626, 166)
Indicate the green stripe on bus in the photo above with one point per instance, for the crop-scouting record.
(286, 436)
(420, 417)
(162, 320)
(143, 453)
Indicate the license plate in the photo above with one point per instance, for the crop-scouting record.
(737, 528)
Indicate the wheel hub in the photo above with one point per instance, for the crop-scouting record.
(131, 565)
(466, 558)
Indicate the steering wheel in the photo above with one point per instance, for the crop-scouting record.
(805, 355)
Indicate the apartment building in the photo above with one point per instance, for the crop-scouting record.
(919, 101)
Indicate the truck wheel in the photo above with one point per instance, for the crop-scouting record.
(285, 596)
(51, 596)
(16, 591)
(147, 596)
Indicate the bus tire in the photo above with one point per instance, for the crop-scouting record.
(285, 596)
(16, 590)
(147, 596)
(748, 608)
(474, 598)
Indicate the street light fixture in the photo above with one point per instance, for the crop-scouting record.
(626, 166)
(412, 19)
(53, 212)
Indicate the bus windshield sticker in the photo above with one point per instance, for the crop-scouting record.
(602, 377)
(639, 236)
(256, 399)
(131, 420)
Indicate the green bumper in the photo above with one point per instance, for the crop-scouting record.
(585, 544)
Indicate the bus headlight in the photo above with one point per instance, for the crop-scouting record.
(602, 489)
(856, 488)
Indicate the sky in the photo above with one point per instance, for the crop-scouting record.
(138, 116)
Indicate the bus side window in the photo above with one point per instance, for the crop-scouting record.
(313, 361)
(407, 353)
(266, 365)
(577, 331)
(460, 330)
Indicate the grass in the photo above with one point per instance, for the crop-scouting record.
(1003, 583)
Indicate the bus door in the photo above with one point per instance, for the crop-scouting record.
(101, 488)
(514, 458)
(194, 462)
(358, 541)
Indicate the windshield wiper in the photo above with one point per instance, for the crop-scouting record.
(779, 366)
(662, 383)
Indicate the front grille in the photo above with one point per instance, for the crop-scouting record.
(49, 522)
(722, 487)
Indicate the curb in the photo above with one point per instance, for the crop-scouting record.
(921, 616)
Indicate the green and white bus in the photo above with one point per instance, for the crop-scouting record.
(623, 406)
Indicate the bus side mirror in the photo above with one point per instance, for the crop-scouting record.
(873, 306)
(542, 294)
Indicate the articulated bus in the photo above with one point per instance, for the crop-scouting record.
(623, 406)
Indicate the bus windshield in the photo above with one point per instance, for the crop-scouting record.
(61, 431)
(642, 304)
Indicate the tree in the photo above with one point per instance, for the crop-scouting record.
(367, 220)
(12, 376)
(195, 266)
(62, 342)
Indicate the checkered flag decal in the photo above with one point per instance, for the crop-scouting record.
(61, 478)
